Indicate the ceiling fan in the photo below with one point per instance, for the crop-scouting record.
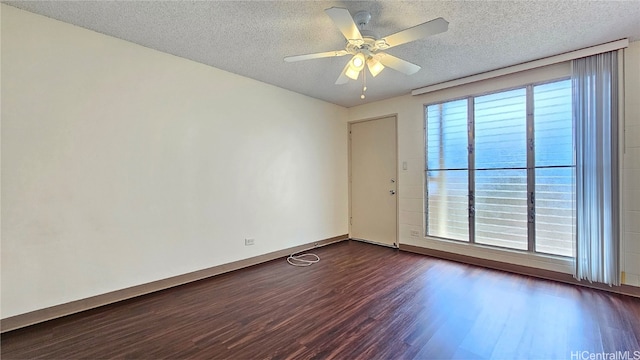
(366, 47)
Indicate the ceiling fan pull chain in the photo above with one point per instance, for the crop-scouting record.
(364, 83)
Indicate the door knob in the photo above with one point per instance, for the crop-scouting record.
(392, 192)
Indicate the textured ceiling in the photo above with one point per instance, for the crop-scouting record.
(251, 38)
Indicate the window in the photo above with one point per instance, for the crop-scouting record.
(554, 169)
(500, 122)
(500, 169)
(448, 171)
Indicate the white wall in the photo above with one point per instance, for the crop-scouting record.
(410, 110)
(122, 165)
(631, 167)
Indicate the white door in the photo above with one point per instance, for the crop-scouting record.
(373, 170)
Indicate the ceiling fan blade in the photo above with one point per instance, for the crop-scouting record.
(343, 79)
(344, 22)
(397, 64)
(435, 26)
(316, 55)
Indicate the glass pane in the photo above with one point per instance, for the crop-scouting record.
(447, 204)
(501, 130)
(553, 125)
(501, 208)
(555, 211)
(447, 135)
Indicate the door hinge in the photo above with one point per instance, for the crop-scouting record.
(350, 221)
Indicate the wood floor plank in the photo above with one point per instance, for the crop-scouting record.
(360, 301)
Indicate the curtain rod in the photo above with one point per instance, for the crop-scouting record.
(598, 49)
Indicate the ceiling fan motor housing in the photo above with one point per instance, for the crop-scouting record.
(370, 42)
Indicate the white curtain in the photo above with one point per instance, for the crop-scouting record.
(595, 111)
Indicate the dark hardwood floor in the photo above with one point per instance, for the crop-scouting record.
(360, 301)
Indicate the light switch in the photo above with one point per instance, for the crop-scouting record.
(404, 165)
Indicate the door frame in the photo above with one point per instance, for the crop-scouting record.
(396, 245)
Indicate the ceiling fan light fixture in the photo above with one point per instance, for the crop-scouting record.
(358, 61)
(352, 73)
(375, 66)
(356, 64)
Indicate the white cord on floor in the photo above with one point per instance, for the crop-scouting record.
(299, 260)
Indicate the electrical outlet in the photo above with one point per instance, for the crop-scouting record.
(415, 233)
(248, 242)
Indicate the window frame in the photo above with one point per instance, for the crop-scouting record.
(530, 165)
